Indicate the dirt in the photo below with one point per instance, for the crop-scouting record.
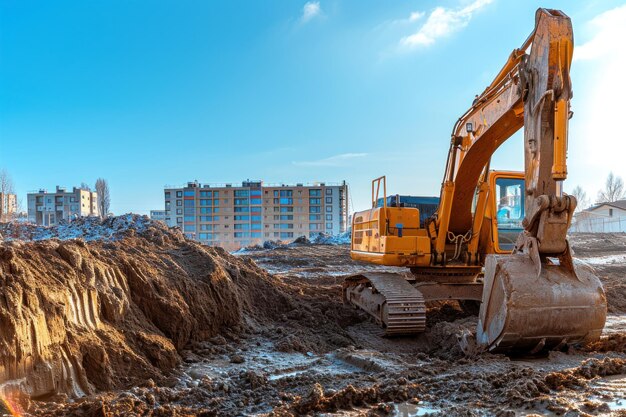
(155, 325)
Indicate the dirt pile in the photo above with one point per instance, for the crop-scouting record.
(80, 318)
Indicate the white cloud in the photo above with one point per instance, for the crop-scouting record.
(441, 23)
(597, 144)
(610, 32)
(310, 10)
(336, 160)
(415, 16)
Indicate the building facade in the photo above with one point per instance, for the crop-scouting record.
(48, 209)
(601, 218)
(157, 215)
(8, 206)
(235, 216)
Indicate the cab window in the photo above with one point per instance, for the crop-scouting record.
(509, 194)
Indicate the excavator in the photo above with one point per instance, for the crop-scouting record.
(497, 238)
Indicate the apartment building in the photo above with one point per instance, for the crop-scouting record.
(235, 216)
(157, 215)
(8, 206)
(48, 209)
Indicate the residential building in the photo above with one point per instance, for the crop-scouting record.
(157, 215)
(601, 218)
(254, 212)
(8, 206)
(48, 209)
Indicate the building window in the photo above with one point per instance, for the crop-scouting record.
(179, 211)
(286, 235)
(329, 191)
(179, 194)
(315, 209)
(190, 193)
(242, 193)
(315, 193)
(179, 220)
(329, 209)
(314, 217)
(610, 212)
(329, 217)
(179, 203)
(315, 201)
(286, 209)
(329, 200)
(167, 194)
(329, 225)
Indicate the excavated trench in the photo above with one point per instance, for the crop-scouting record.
(136, 320)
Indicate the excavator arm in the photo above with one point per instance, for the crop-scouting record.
(532, 91)
(537, 298)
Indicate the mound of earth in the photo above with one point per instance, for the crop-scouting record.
(81, 317)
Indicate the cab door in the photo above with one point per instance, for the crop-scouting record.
(507, 195)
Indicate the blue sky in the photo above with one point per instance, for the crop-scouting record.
(148, 93)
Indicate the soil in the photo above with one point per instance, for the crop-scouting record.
(151, 324)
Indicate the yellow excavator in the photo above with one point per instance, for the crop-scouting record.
(498, 238)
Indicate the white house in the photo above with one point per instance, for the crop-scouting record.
(601, 218)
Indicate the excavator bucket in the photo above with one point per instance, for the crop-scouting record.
(524, 310)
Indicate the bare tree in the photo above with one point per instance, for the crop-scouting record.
(104, 198)
(581, 197)
(613, 190)
(6, 187)
(85, 186)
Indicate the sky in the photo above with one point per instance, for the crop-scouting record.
(153, 93)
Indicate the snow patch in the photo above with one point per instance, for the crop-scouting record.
(86, 228)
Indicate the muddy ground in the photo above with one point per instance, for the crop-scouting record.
(290, 347)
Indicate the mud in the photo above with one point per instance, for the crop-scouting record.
(177, 329)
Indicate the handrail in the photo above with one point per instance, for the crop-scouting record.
(377, 181)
